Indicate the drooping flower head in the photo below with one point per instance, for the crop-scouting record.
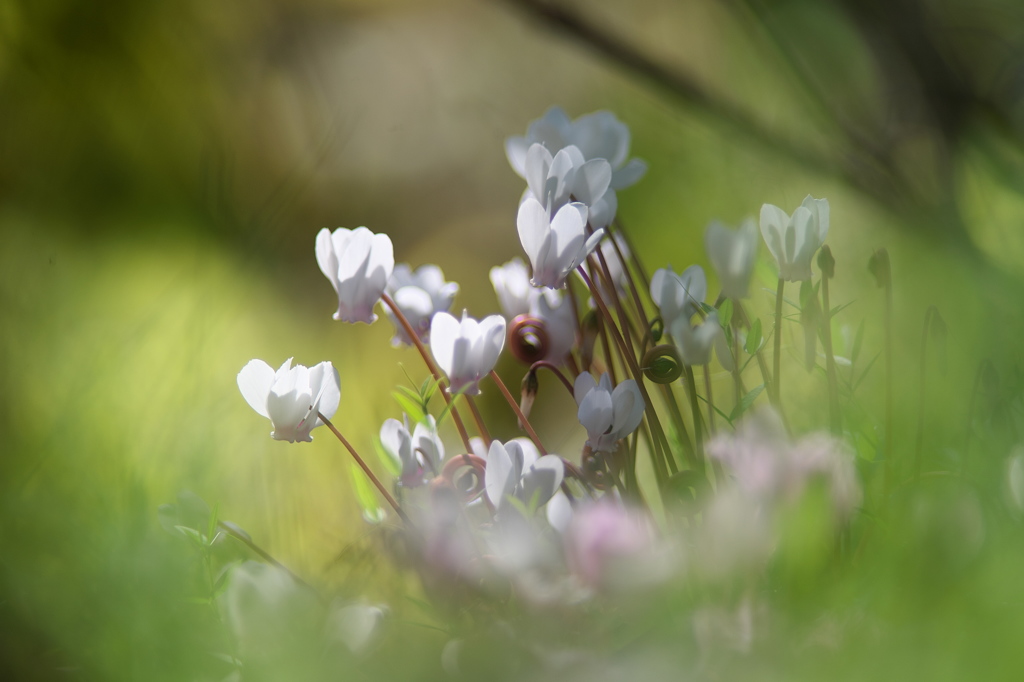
(466, 349)
(418, 454)
(733, 254)
(358, 264)
(696, 341)
(794, 240)
(291, 397)
(418, 295)
(599, 135)
(678, 296)
(556, 180)
(607, 415)
(555, 246)
(515, 470)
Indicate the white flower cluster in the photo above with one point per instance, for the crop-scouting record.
(472, 507)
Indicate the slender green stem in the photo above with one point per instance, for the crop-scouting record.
(411, 333)
(979, 375)
(662, 448)
(835, 416)
(922, 388)
(557, 372)
(261, 553)
(890, 454)
(776, 373)
(519, 413)
(762, 364)
(680, 424)
(711, 401)
(698, 426)
(362, 465)
(478, 418)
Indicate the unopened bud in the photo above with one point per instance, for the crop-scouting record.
(530, 387)
(826, 263)
(880, 267)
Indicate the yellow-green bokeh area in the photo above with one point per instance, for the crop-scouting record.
(120, 359)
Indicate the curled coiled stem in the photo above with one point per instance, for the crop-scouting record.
(528, 339)
(662, 364)
(465, 474)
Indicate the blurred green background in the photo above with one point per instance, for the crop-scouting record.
(164, 168)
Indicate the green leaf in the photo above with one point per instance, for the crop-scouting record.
(745, 402)
(723, 415)
(393, 467)
(753, 343)
(211, 528)
(451, 403)
(366, 496)
(411, 406)
(725, 312)
(197, 538)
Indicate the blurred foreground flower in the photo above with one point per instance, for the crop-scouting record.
(292, 396)
(733, 254)
(793, 240)
(678, 296)
(358, 264)
(768, 468)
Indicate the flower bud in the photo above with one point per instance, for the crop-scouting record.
(529, 393)
(826, 263)
(880, 267)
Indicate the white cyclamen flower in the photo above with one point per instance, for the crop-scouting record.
(678, 296)
(511, 283)
(418, 454)
(515, 470)
(794, 240)
(607, 415)
(358, 264)
(567, 176)
(466, 350)
(695, 342)
(418, 295)
(599, 135)
(555, 246)
(292, 396)
(733, 254)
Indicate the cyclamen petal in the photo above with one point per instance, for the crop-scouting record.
(466, 350)
(358, 264)
(292, 396)
(678, 296)
(733, 253)
(608, 415)
(793, 240)
(556, 246)
(418, 295)
(598, 135)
